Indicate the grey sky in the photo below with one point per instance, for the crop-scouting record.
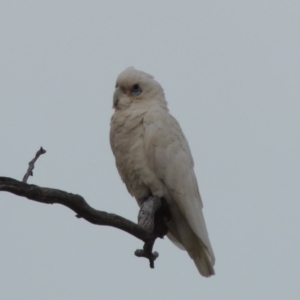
(230, 71)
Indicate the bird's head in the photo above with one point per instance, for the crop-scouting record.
(134, 86)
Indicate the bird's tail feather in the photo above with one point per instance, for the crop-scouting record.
(204, 262)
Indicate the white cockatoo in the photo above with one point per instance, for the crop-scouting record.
(154, 159)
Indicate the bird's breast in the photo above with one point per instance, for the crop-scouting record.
(127, 143)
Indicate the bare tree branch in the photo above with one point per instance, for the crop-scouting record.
(74, 202)
(153, 218)
(31, 164)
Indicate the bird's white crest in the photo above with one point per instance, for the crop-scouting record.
(153, 158)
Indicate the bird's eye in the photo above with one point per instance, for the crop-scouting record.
(136, 90)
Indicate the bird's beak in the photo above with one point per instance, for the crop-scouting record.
(117, 94)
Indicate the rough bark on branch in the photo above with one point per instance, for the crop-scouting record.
(152, 212)
(151, 219)
(74, 202)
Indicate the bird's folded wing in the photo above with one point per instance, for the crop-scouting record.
(169, 156)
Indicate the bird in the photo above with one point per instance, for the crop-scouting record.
(153, 158)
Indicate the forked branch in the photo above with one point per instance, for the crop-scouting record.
(151, 220)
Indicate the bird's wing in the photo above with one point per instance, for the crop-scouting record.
(169, 155)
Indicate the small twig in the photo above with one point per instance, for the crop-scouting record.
(31, 164)
(147, 252)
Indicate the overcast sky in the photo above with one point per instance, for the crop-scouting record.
(230, 71)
